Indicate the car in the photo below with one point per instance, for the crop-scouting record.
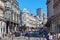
(17, 34)
(32, 34)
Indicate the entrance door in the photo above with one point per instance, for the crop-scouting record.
(58, 28)
(7, 24)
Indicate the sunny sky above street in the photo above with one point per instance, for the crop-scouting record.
(32, 5)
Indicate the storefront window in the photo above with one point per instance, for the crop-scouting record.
(58, 26)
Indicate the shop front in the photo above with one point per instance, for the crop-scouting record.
(55, 28)
(10, 27)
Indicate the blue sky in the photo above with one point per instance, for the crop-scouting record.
(32, 5)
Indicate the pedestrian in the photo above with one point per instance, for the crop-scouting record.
(44, 37)
(47, 38)
(50, 36)
(6, 37)
(59, 36)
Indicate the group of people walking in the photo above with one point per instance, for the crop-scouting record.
(53, 36)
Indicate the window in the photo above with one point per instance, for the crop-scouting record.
(17, 11)
(1, 30)
(18, 20)
(7, 14)
(8, 4)
(13, 16)
(1, 13)
(13, 7)
(1, 23)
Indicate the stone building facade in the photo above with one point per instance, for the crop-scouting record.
(53, 7)
(44, 18)
(29, 20)
(9, 15)
(2, 20)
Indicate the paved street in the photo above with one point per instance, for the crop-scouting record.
(22, 38)
(26, 38)
(29, 20)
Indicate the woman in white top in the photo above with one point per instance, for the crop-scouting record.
(50, 36)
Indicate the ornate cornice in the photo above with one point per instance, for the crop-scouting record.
(56, 4)
(54, 16)
(48, 1)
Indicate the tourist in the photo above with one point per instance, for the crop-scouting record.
(50, 36)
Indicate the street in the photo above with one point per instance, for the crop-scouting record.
(23, 38)
(29, 20)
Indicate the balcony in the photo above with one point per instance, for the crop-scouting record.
(2, 5)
